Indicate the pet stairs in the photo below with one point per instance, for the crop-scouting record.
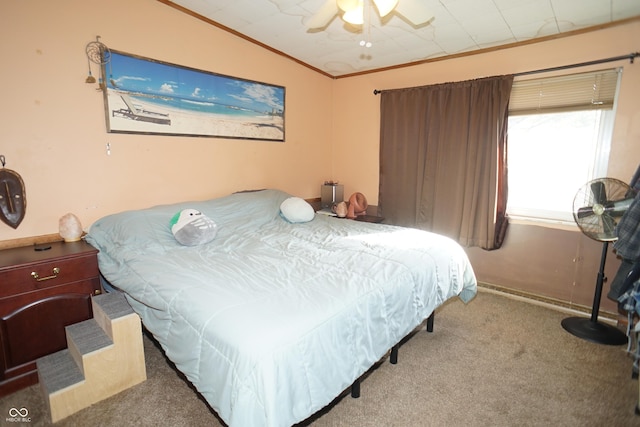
(105, 356)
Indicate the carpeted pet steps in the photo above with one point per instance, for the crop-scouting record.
(104, 357)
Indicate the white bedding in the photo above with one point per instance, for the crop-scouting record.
(271, 320)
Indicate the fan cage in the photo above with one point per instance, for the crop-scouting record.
(596, 207)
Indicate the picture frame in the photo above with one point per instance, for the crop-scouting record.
(147, 96)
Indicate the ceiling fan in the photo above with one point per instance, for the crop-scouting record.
(352, 11)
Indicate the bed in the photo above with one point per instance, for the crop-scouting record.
(272, 320)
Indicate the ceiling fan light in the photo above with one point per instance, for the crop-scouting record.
(355, 16)
(348, 5)
(385, 6)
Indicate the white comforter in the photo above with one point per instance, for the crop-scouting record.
(272, 320)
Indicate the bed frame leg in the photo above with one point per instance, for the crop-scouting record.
(394, 354)
(430, 322)
(355, 389)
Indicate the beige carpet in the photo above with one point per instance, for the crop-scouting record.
(493, 362)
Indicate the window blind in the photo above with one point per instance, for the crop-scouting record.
(581, 91)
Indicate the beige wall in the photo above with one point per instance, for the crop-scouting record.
(356, 116)
(556, 263)
(53, 130)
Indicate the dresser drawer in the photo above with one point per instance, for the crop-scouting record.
(47, 274)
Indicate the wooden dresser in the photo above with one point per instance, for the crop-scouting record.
(43, 288)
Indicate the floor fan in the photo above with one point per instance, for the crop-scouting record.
(597, 208)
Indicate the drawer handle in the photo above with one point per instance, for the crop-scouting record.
(55, 272)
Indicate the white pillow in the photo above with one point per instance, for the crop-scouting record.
(295, 210)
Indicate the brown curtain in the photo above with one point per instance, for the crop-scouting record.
(443, 159)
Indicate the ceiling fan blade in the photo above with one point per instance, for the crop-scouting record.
(323, 16)
(599, 192)
(415, 11)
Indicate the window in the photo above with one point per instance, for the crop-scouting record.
(558, 139)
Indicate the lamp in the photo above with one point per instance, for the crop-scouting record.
(385, 6)
(354, 9)
(70, 228)
(354, 12)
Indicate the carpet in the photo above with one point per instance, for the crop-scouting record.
(496, 361)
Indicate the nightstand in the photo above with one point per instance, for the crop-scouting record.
(43, 288)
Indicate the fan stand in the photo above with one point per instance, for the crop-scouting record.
(590, 329)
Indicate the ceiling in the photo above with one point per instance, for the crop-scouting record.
(457, 27)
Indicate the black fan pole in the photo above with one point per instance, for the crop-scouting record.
(595, 309)
(591, 329)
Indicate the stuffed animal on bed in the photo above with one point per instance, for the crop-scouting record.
(191, 227)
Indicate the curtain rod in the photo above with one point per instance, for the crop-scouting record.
(630, 57)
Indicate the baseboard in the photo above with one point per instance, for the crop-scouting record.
(552, 303)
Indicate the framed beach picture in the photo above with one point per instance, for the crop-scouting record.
(147, 96)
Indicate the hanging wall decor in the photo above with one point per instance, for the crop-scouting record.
(147, 96)
(97, 53)
(13, 200)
